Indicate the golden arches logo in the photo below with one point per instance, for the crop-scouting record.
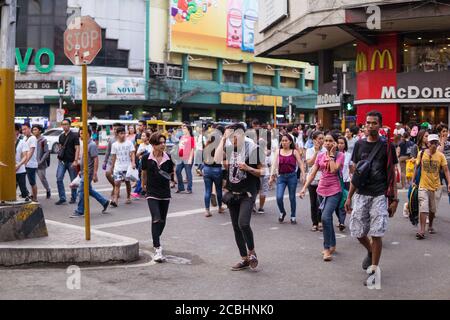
(361, 62)
(381, 57)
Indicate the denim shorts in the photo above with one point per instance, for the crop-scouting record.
(31, 174)
(120, 176)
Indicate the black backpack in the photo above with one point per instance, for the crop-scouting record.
(362, 171)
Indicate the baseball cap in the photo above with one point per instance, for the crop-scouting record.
(433, 137)
(398, 124)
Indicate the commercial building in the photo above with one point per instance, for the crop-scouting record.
(41, 66)
(198, 70)
(397, 54)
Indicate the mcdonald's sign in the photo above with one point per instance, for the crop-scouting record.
(383, 58)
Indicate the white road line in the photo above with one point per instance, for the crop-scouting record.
(148, 219)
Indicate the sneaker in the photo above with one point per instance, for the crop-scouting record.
(113, 204)
(241, 265)
(254, 209)
(76, 215)
(367, 262)
(72, 201)
(158, 255)
(189, 192)
(49, 194)
(370, 279)
(293, 221)
(341, 227)
(214, 200)
(105, 207)
(261, 211)
(208, 213)
(253, 261)
(281, 217)
(60, 202)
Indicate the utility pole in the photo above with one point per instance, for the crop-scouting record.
(344, 92)
(7, 110)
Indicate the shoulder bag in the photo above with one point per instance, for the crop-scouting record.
(363, 167)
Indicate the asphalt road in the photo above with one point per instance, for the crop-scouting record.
(203, 249)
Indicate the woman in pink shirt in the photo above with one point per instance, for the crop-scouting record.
(329, 190)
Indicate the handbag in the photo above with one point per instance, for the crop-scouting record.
(361, 175)
(62, 149)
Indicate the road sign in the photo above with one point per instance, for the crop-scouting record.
(82, 40)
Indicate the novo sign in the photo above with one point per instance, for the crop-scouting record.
(384, 59)
(413, 92)
(24, 61)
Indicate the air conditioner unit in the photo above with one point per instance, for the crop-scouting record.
(174, 72)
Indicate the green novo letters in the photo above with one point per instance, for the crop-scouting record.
(24, 62)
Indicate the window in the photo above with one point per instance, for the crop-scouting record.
(232, 76)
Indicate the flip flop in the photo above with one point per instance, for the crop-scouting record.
(431, 231)
(420, 236)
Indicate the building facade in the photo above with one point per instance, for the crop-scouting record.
(397, 55)
(128, 79)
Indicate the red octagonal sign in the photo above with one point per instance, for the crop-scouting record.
(82, 40)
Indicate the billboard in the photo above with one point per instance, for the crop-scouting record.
(215, 28)
(111, 88)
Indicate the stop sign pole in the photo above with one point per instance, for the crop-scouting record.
(82, 43)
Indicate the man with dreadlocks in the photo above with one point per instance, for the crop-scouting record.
(371, 210)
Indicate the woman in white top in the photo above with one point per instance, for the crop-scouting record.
(145, 146)
(131, 136)
(346, 177)
(311, 156)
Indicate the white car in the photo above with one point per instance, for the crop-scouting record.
(52, 136)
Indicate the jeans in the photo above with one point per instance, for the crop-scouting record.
(212, 175)
(289, 180)
(158, 210)
(329, 205)
(316, 215)
(97, 196)
(21, 182)
(241, 214)
(188, 169)
(43, 177)
(446, 183)
(60, 172)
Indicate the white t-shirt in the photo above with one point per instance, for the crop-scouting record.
(31, 141)
(21, 148)
(309, 155)
(122, 152)
(346, 168)
(143, 147)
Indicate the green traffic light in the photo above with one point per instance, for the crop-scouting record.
(349, 106)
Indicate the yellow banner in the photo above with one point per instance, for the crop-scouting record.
(250, 99)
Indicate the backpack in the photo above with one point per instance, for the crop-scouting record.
(43, 144)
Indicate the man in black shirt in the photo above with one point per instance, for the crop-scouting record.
(244, 168)
(370, 212)
(68, 160)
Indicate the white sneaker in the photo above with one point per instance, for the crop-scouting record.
(158, 255)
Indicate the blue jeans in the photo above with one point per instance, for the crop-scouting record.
(289, 180)
(97, 196)
(188, 169)
(329, 205)
(212, 175)
(60, 172)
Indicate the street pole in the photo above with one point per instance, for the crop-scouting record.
(87, 218)
(7, 109)
(290, 109)
(275, 113)
(344, 90)
(147, 50)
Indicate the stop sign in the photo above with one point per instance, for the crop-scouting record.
(82, 40)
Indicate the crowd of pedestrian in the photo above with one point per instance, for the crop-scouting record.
(355, 174)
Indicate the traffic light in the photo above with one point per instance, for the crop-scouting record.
(62, 87)
(337, 81)
(348, 103)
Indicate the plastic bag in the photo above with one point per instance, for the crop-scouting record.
(75, 182)
(410, 168)
(132, 174)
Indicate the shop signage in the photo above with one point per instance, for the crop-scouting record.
(380, 58)
(250, 99)
(23, 62)
(111, 88)
(328, 99)
(36, 85)
(414, 92)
